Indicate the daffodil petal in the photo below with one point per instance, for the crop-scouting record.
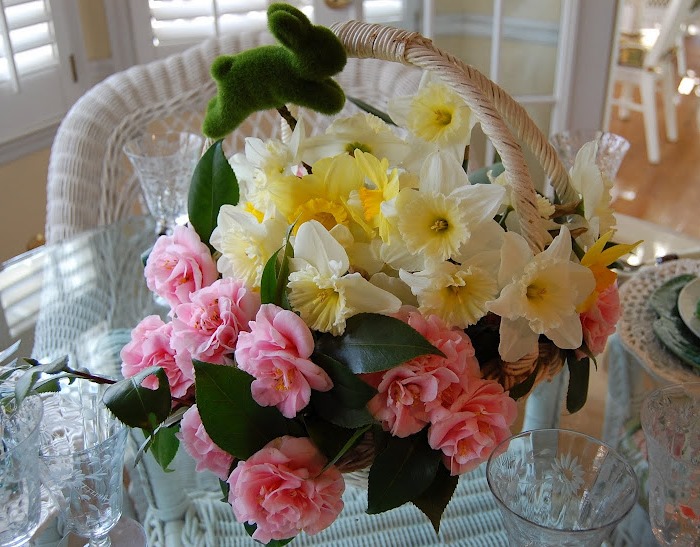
(568, 335)
(515, 254)
(315, 245)
(363, 297)
(516, 339)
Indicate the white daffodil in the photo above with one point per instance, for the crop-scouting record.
(438, 218)
(435, 114)
(361, 131)
(245, 243)
(594, 188)
(539, 296)
(320, 288)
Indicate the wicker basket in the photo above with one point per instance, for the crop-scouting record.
(510, 128)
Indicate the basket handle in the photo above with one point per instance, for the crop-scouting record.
(491, 104)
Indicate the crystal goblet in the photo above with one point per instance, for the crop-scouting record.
(82, 449)
(20, 485)
(612, 148)
(559, 487)
(164, 163)
(670, 419)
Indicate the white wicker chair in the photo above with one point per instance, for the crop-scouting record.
(90, 182)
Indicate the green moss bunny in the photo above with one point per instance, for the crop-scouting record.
(298, 71)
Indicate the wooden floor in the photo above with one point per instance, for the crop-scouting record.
(667, 194)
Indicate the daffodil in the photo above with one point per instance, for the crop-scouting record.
(540, 295)
(320, 288)
(323, 194)
(438, 218)
(597, 259)
(594, 188)
(362, 131)
(436, 115)
(245, 243)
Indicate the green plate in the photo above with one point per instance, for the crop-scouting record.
(669, 328)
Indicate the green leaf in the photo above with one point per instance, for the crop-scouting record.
(344, 404)
(233, 420)
(250, 528)
(275, 275)
(373, 342)
(332, 440)
(524, 387)
(577, 392)
(213, 185)
(480, 176)
(434, 500)
(371, 109)
(27, 382)
(165, 445)
(401, 472)
(139, 406)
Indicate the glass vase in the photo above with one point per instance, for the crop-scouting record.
(559, 487)
(671, 422)
(612, 148)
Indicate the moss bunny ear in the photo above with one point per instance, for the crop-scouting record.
(288, 25)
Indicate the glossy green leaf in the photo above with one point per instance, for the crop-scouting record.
(401, 472)
(26, 382)
(213, 185)
(524, 387)
(579, 372)
(345, 404)
(371, 109)
(434, 500)
(332, 440)
(373, 342)
(233, 420)
(139, 406)
(165, 445)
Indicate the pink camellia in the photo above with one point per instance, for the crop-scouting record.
(472, 426)
(209, 325)
(407, 393)
(178, 265)
(199, 445)
(282, 490)
(276, 352)
(598, 322)
(149, 347)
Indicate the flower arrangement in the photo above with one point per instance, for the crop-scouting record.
(349, 301)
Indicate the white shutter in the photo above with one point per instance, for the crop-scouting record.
(174, 25)
(35, 86)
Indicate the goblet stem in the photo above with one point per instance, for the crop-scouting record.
(100, 541)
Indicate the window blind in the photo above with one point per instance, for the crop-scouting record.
(27, 41)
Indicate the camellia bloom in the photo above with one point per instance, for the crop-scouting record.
(320, 288)
(599, 320)
(208, 326)
(179, 264)
(198, 444)
(276, 352)
(540, 295)
(150, 347)
(283, 489)
(470, 428)
(245, 243)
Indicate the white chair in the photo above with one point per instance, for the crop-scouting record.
(646, 61)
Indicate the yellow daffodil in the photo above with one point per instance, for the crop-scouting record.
(540, 295)
(322, 290)
(362, 131)
(437, 115)
(323, 194)
(245, 243)
(597, 259)
(383, 187)
(437, 219)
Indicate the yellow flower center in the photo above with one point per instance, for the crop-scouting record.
(371, 202)
(328, 213)
(352, 146)
(440, 225)
(536, 292)
(443, 117)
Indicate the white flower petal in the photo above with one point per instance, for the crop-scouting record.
(363, 297)
(319, 248)
(515, 254)
(516, 339)
(569, 335)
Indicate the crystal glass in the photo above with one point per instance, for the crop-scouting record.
(164, 163)
(20, 485)
(559, 487)
(671, 422)
(612, 148)
(82, 449)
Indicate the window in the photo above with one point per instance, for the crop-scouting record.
(162, 27)
(36, 83)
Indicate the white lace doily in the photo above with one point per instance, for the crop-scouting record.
(635, 325)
